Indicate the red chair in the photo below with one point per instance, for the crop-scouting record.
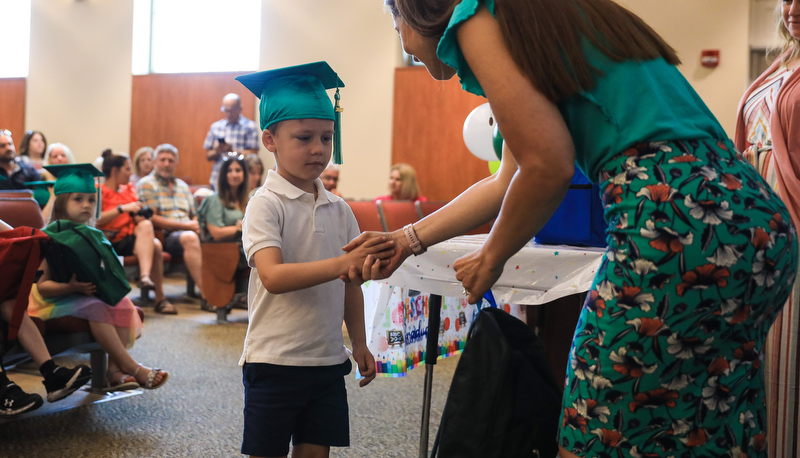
(397, 213)
(16, 193)
(426, 208)
(366, 213)
(21, 211)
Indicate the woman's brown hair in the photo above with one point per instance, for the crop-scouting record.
(544, 37)
(230, 197)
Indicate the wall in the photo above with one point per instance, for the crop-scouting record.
(79, 84)
(79, 87)
(358, 40)
(693, 25)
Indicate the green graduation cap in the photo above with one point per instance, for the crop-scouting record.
(76, 178)
(2, 178)
(298, 92)
(41, 191)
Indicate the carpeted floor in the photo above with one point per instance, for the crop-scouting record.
(198, 412)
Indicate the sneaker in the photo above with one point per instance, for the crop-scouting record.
(63, 381)
(14, 401)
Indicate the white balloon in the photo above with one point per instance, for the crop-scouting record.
(478, 130)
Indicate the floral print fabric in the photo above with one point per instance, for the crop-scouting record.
(667, 355)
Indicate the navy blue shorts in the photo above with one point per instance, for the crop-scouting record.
(304, 404)
(172, 243)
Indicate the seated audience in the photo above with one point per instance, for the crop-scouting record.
(330, 179)
(124, 220)
(142, 163)
(32, 148)
(174, 210)
(56, 154)
(15, 172)
(59, 382)
(403, 184)
(114, 327)
(220, 215)
(255, 172)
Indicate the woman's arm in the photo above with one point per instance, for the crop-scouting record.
(224, 232)
(536, 136)
(106, 216)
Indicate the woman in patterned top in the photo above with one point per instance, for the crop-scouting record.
(768, 134)
(666, 356)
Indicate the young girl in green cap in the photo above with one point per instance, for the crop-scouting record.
(115, 328)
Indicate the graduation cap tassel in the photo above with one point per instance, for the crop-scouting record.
(337, 130)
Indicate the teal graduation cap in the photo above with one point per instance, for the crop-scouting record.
(298, 92)
(76, 178)
(41, 191)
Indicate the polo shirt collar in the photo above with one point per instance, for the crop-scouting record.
(279, 185)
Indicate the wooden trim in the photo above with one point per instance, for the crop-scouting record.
(427, 133)
(12, 110)
(178, 109)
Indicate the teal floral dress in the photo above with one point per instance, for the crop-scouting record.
(667, 355)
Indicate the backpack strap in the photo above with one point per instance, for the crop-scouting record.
(490, 299)
(21, 305)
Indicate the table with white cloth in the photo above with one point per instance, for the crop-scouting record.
(397, 308)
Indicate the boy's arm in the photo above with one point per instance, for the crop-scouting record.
(356, 329)
(279, 278)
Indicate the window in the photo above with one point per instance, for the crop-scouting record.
(16, 43)
(177, 36)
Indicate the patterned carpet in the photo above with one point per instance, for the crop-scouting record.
(198, 412)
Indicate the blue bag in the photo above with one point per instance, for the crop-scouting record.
(579, 219)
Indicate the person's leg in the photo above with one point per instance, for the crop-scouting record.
(192, 257)
(14, 401)
(157, 273)
(110, 339)
(59, 381)
(143, 247)
(310, 451)
(29, 336)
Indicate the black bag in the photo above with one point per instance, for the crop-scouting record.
(503, 401)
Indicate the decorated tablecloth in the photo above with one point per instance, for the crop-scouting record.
(396, 311)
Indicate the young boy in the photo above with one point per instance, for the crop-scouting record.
(294, 360)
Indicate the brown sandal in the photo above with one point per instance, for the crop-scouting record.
(165, 307)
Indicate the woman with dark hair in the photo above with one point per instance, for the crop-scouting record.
(220, 215)
(32, 148)
(701, 252)
(127, 226)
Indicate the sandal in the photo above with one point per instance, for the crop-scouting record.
(165, 307)
(122, 383)
(145, 282)
(151, 377)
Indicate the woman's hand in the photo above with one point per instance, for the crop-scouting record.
(86, 288)
(132, 207)
(477, 274)
(376, 267)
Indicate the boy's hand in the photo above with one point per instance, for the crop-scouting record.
(80, 287)
(366, 364)
(377, 247)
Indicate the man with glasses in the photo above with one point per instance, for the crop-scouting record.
(16, 173)
(234, 133)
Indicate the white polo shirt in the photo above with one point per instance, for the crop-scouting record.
(300, 328)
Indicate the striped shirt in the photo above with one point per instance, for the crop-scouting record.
(176, 204)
